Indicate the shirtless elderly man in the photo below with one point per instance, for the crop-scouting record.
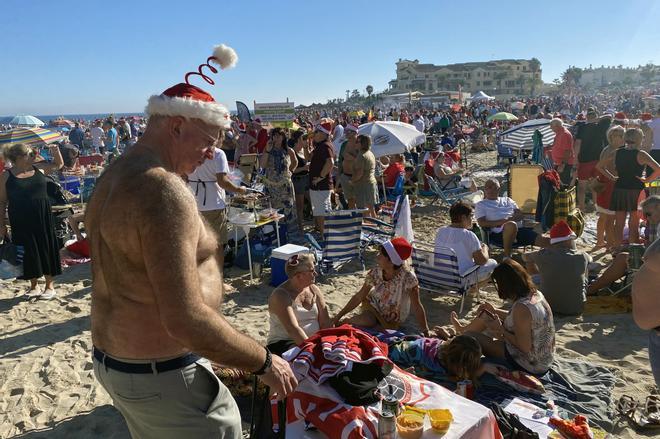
(157, 287)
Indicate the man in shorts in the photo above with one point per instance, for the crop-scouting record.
(589, 143)
(503, 216)
(320, 173)
(157, 288)
(208, 183)
(348, 151)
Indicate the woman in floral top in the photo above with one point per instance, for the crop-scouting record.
(389, 292)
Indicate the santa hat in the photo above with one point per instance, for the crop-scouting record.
(581, 116)
(398, 250)
(351, 127)
(192, 102)
(620, 116)
(646, 116)
(561, 232)
(324, 127)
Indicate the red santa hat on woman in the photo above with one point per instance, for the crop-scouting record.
(351, 127)
(561, 232)
(324, 127)
(620, 116)
(192, 102)
(398, 249)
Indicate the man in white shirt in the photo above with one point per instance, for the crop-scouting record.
(208, 184)
(418, 122)
(504, 218)
(458, 236)
(338, 132)
(97, 134)
(655, 126)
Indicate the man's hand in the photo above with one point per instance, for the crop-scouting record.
(487, 306)
(280, 378)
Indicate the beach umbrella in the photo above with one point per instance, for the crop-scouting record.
(25, 120)
(61, 122)
(391, 137)
(521, 136)
(29, 136)
(502, 116)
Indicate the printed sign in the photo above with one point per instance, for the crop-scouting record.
(274, 113)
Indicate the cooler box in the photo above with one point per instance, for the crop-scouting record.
(278, 259)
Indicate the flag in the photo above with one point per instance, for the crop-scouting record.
(460, 93)
(243, 112)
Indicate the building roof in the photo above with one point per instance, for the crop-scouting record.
(462, 66)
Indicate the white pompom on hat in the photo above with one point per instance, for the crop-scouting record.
(190, 101)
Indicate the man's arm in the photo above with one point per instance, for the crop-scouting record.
(483, 222)
(225, 183)
(171, 266)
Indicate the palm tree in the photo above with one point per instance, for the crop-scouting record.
(370, 90)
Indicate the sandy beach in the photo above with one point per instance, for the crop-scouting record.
(47, 387)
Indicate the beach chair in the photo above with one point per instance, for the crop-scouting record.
(523, 188)
(342, 233)
(504, 153)
(377, 231)
(437, 271)
(395, 192)
(448, 196)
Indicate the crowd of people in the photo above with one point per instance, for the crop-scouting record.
(169, 319)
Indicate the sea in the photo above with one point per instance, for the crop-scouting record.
(88, 117)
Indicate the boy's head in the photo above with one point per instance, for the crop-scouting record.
(461, 356)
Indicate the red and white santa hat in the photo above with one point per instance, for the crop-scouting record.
(646, 117)
(324, 127)
(398, 249)
(351, 127)
(620, 116)
(192, 102)
(561, 232)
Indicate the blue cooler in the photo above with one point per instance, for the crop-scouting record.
(278, 259)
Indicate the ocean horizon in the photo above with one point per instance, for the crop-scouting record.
(82, 116)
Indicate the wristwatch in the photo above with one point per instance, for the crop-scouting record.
(266, 366)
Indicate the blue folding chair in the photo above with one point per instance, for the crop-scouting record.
(505, 153)
(437, 271)
(395, 192)
(342, 232)
(377, 231)
(448, 196)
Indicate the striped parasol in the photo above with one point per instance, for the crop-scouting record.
(29, 136)
(61, 122)
(26, 120)
(521, 136)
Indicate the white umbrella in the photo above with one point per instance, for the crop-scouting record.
(389, 138)
(25, 120)
(481, 96)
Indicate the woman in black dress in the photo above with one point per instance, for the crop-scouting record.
(23, 192)
(629, 163)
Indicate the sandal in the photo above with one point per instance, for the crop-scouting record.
(627, 406)
(34, 292)
(48, 294)
(651, 415)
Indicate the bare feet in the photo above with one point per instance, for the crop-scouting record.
(454, 321)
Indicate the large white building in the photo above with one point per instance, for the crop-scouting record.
(619, 75)
(500, 77)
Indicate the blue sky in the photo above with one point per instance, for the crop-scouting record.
(75, 56)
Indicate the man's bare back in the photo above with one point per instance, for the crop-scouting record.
(350, 154)
(135, 194)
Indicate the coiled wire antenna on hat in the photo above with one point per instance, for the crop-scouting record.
(224, 56)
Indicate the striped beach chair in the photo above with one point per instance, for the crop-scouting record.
(448, 196)
(437, 271)
(342, 234)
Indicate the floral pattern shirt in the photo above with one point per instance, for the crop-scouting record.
(390, 297)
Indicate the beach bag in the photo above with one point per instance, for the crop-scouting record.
(575, 219)
(11, 259)
(565, 203)
(510, 425)
(55, 192)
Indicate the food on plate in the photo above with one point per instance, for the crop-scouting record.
(578, 428)
(520, 380)
(441, 420)
(410, 425)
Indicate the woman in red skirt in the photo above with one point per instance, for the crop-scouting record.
(605, 224)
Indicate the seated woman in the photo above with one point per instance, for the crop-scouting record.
(458, 359)
(449, 172)
(296, 308)
(458, 236)
(526, 339)
(388, 293)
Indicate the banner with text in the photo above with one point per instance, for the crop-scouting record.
(276, 113)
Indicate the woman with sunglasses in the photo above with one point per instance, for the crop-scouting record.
(296, 308)
(23, 191)
(389, 293)
(279, 161)
(629, 163)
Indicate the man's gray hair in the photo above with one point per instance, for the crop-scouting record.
(556, 121)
